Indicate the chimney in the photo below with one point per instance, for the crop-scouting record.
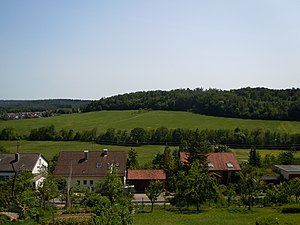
(105, 152)
(17, 157)
(86, 155)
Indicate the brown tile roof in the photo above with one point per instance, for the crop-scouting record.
(26, 161)
(97, 163)
(223, 161)
(220, 161)
(146, 175)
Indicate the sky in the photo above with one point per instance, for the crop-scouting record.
(93, 49)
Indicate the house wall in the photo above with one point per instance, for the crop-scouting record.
(4, 176)
(141, 185)
(87, 181)
(40, 166)
(294, 175)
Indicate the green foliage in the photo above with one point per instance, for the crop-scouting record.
(194, 188)
(132, 160)
(3, 149)
(267, 220)
(153, 191)
(286, 157)
(254, 103)
(111, 187)
(249, 184)
(295, 209)
(254, 158)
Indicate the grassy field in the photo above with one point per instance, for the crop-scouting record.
(216, 216)
(50, 148)
(147, 119)
(145, 153)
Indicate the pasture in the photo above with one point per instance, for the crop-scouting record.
(215, 216)
(129, 119)
(146, 153)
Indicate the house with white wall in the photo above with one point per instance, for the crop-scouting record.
(13, 164)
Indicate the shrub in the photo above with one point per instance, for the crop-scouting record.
(291, 209)
(267, 221)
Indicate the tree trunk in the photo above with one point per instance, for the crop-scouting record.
(152, 203)
(249, 202)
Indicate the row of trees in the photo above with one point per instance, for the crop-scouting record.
(254, 103)
(7, 106)
(162, 135)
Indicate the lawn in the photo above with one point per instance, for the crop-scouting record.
(129, 119)
(49, 148)
(145, 153)
(215, 216)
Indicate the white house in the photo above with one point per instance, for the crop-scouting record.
(11, 164)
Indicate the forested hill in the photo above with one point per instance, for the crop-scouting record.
(40, 105)
(254, 103)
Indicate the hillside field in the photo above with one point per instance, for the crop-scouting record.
(129, 119)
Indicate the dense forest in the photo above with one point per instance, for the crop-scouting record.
(40, 105)
(249, 103)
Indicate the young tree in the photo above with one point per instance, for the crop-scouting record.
(294, 187)
(153, 191)
(112, 186)
(254, 158)
(132, 162)
(200, 186)
(48, 190)
(249, 183)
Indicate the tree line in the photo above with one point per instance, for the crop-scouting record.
(161, 136)
(250, 103)
(48, 107)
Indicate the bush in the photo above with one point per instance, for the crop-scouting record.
(291, 209)
(267, 221)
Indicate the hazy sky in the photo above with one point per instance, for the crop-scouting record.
(93, 49)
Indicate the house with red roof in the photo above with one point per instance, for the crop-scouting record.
(142, 178)
(222, 165)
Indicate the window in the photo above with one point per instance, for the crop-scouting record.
(78, 182)
(98, 165)
(210, 164)
(117, 164)
(84, 182)
(4, 178)
(229, 165)
(91, 182)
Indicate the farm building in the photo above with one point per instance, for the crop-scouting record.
(142, 178)
(11, 164)
(222, 165)
(288, 172)
(85, 168)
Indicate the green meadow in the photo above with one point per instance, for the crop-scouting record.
(216, 216)
(129, 119)
(50, 148)
(145, 153)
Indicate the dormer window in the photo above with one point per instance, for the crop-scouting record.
(229, 165)
(117, 164)
(210, 165)
(98, 165)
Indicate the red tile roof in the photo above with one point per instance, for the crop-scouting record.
(223, 161)
(146, 175)
(220, 161)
